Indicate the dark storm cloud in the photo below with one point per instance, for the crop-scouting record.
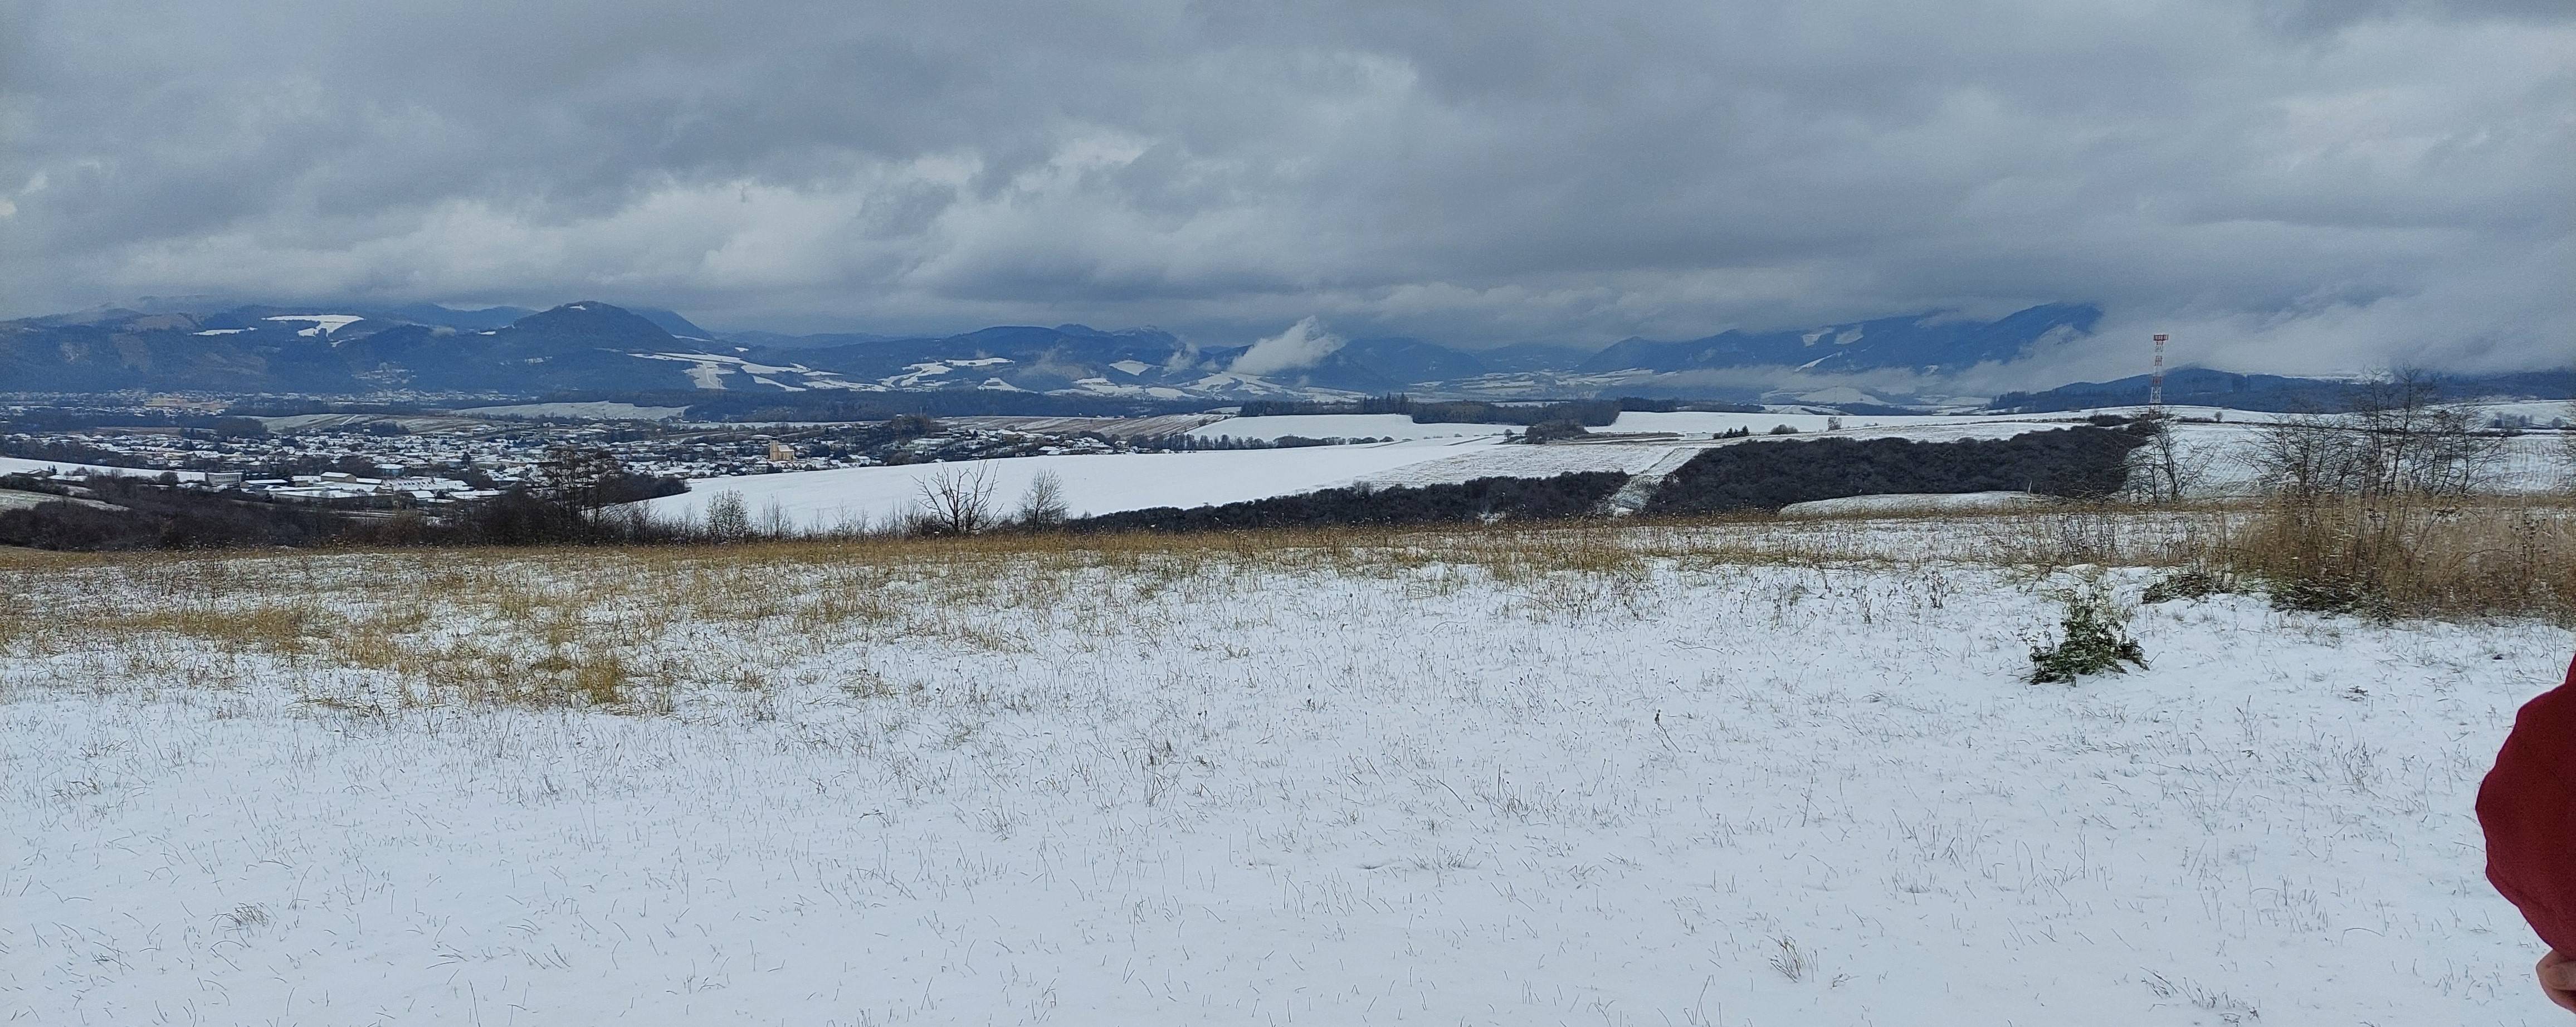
(2295, 185)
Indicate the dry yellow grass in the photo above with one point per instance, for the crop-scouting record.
(629, 628)
(2409, 556)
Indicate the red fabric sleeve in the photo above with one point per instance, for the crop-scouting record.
(2528, 807)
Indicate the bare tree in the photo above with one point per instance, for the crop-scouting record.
(958, 499)
(773, 520)
(2305, 456)
(1043, 504)
(2414, 444)
(2164, 470)
(573, 474)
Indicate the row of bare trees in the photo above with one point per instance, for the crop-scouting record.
(2391, 437)
(2395, 438)
(958, 500)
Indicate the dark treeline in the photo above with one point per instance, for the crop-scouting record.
(56, 419)
(142, 515)
(1595, 413)
(1480, 500)
(129, 513)
(2081, 462)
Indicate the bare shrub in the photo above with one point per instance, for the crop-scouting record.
(2304, 456)
(727, 519)
(2567, 449)
(773, 521)
(2372, 511)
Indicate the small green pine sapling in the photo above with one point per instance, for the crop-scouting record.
(2093, 638)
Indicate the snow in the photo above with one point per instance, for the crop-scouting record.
(322, 324)
(915, 375)
(2537, 411)
(228, 331)
(1255, 791)
(1094, 483)
(1531, 462)
(1132, 367)
(708, 370)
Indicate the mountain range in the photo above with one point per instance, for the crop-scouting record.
(597, 347)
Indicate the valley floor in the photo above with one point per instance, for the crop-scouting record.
(1724, 775)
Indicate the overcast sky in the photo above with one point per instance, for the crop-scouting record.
(2330, 184)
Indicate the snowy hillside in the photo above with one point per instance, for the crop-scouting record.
(1483, 784)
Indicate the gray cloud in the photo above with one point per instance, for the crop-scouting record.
(2309, 185)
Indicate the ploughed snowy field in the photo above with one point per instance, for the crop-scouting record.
(1731, 775)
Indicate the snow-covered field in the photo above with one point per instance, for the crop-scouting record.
(1642, 776)
(1093, 484)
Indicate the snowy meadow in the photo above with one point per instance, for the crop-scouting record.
(1767, 773)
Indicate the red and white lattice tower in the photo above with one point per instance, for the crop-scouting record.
(2156, 380)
